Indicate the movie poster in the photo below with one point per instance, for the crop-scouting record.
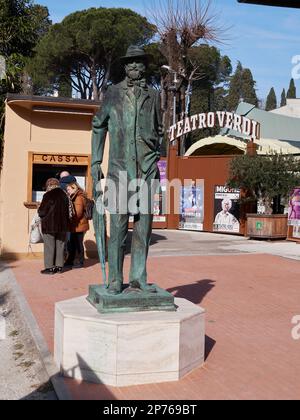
(296, 232)
(294, 208)
(160, 199)
(159, 213)
(192, 207)
(227, 209)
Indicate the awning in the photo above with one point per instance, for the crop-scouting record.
(265, 146)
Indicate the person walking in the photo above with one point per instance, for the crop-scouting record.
(78, 227)
(54, 214)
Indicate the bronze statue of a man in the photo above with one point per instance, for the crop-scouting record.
(131, 113)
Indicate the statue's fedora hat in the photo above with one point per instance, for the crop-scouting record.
(134, 51)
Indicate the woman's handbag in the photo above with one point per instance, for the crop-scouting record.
(89, 209)
(35, 235)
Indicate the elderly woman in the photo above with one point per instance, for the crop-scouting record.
(79, 226)
(54, 214)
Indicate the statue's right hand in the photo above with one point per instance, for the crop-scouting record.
(96, 122)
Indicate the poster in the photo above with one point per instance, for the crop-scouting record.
(192, 207)
(162, 166)
(227, 212)
(296, 232)
(294, 208)
(160, 199)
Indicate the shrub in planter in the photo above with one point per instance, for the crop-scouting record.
(264, 178)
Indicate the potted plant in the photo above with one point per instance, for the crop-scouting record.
(267, 181)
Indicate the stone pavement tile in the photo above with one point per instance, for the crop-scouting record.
(250, 301)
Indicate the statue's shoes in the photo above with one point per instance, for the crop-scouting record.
(114, 289)
(149, 288)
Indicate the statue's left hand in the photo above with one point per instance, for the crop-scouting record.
(96, 173)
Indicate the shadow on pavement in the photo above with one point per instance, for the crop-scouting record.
(209, 345)
(194, 292)
(77, 390)
(83, 390)
(43, 392)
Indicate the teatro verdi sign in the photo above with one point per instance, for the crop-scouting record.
(222, 119)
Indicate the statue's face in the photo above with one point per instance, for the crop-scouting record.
(136, 69)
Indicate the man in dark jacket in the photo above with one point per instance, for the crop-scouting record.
(54, 214)
(132, 115)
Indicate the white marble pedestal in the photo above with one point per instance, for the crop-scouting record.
(128, 349)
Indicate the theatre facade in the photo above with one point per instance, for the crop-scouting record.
(45, 135)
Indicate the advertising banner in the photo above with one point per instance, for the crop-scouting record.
(296, 232)
(227, 209)
(160, 199)
(294, 208)
(192, 207)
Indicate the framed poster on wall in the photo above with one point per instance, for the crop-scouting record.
(159, 203)
(160, 199)
(294, 208)
(226, 209)
(192, 207)
(296, 232)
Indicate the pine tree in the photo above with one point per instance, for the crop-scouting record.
(235, 89)
(283, 98)
(242, 86)
(248, 88)
(291, 94)
(271, 100)
(208, 93)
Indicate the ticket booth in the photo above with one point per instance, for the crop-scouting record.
(43, 166)
(43, 136)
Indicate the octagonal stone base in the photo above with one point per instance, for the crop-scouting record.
(131, 348)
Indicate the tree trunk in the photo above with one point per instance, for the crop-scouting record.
(94, 81)
(105, 80)
(27, 88)
(268, 206)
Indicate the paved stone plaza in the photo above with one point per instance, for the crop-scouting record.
(249, 289)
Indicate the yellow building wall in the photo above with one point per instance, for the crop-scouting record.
(27, 131)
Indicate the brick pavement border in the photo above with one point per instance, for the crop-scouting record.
(51, 369)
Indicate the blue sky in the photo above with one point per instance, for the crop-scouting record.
(263, 38)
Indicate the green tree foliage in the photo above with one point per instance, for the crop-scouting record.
(291, 93)
(265, 177)
(84, 48)
(22, 23)
(271, 100)
(283, 98)
(209, 91)
(248, 88)
(235, 89)
(157, 61)
(241, 87)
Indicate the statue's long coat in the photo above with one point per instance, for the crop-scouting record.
(135, 132)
